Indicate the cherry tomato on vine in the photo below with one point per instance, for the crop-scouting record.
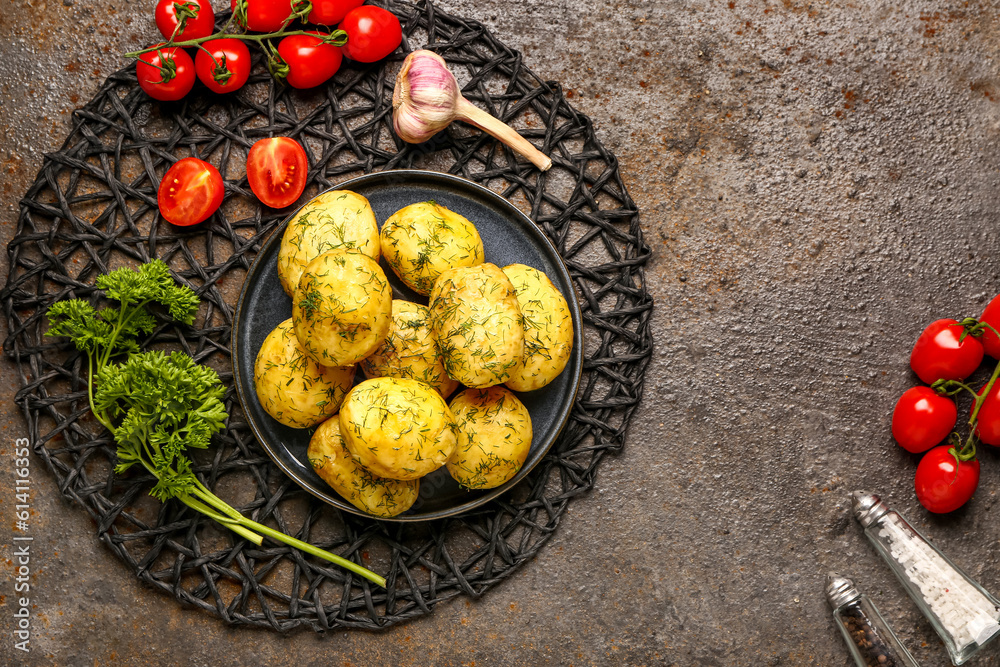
(165, 74)
(988, 419)
(372, 33)
(991, 315)
(202, 24)
(922, 419)
(276, 170)
(310, 61)
(943, 483)
(190, 191)
(265, 15)
(331, 12)
(230, 68)
(938, 353)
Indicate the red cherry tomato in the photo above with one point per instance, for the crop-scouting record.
(943, 483)
(265, 15)
(277, 169)
(190, 191)
(991, 315)
(177, 69)
(331, 12)
(372, 33)
(196, 27)
(231, 64)
(310, 61)
(922, 419)
(937, 353)
(988, 419)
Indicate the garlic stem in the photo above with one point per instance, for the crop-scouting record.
(426, 100)
(473, 115)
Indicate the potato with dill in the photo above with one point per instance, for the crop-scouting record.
(477, 324)
(330, 458)
(293, 388)
(397, 428)
(342, 308)
(422, 240)
(494, 437)
(335, 220)
(409, 350)
(548, 328)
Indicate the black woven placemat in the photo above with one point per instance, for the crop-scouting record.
(93, 208)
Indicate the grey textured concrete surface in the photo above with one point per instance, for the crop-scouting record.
(818, 181)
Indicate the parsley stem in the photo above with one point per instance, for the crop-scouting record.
(218, 503)
(209, 504)
(90, 386)
(122, 321)
(229, 523)
(316, 551)
(234, 517)
(199, 506)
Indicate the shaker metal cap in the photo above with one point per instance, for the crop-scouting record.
(868, 507)
(840, 590)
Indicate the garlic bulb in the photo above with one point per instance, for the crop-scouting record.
(426, 99)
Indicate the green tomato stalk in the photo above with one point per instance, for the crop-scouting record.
(159, 405)
(300, 9)
(967, 451)
(336, 38)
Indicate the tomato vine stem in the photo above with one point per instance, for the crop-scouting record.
(336, 38)
(967, 450)
(974, 327)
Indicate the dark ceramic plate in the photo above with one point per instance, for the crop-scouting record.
(509, 237)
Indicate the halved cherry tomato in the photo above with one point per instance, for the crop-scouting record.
(230, 68)
(276, 170)
(265, 15)
(372, 33)
(922, 419)
(943, 483)
(991, 315)
(310, 61)
(202, 24)
(938, 354)
(331, 12)
(165, 74)
(190, 191)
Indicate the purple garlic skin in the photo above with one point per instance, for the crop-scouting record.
(425, 100)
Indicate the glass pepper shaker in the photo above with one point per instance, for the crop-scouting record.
(869, 638)
(961, 611)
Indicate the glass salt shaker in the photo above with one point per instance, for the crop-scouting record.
(869, 638)
(962, 613)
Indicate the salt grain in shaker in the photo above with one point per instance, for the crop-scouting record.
(963, 614)
(869, 638)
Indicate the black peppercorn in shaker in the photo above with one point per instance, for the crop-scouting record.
(868, 636)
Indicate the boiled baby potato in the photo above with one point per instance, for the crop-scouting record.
(397, 428)
(342, 308)
(335, 220)
(494, 437)
(422, 240)
(548, 328)
(477, 324)
(332, 461)
(409, 350)
(293, 388)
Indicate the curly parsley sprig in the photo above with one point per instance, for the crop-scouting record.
(159, 405)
